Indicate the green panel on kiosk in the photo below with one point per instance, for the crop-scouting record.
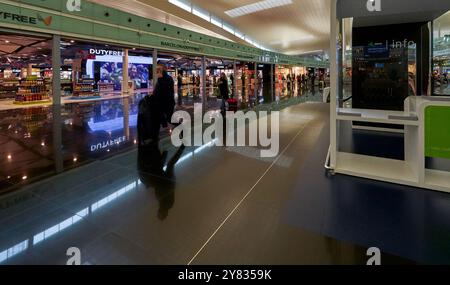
(437, 132)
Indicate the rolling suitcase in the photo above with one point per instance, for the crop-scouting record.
(232, 105)
(148, 125)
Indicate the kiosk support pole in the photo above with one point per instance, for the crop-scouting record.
(334, 83)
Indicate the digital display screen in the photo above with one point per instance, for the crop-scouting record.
(112, 72)
(376, 51)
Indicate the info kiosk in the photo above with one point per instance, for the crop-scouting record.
(386, 46)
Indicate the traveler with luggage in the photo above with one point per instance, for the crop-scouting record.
(156, 110)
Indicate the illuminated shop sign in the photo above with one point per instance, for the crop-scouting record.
(105, 52)
(109, 143)
(18, 18)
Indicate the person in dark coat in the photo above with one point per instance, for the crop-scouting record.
(165, 95)
(223, 89)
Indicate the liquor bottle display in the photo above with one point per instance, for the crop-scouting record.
(9, 87)
(84, 89)
(32, 90)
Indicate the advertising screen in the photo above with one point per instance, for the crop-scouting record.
(112, 72)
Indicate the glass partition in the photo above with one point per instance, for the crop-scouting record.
(441, 55)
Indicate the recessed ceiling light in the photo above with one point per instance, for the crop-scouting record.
(7, 41)
(24, 177)
(72, 41)
(256, 7)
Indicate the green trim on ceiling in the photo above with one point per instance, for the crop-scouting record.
(98, 22)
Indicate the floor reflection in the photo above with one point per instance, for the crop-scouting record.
(154, 174)
(40, 141)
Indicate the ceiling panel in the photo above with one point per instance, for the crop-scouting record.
(302, 26)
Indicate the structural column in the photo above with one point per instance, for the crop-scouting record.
(56, 108)
(235, 80)
(154, 66)
(256, 83)
(272, 83)
(204, 97)
(56, 69)
(125, 72)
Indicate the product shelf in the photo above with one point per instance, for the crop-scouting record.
(377, 168)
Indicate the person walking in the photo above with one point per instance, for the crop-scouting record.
(165, 95)
(224, 91)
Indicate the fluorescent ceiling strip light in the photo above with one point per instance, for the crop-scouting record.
(228, 28)
(199, 13)
(257, 7)
(181, 4)
(239, 35)
(216, 21)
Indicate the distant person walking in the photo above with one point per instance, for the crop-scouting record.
(165, 95)
(223, 89)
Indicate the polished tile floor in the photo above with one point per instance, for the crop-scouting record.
(224, 205)
(39, 141)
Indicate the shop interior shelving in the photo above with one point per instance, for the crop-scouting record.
(32, 90)
(9, 87)
(105, 87)
(84, 89)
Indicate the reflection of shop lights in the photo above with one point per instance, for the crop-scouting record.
(97, 205)
(24, 177)
(200, 149)
(60, 227)
(191, 154)
(44, 235)
(14, 250)
(111, 125)
(9, 157)
(75, 159)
